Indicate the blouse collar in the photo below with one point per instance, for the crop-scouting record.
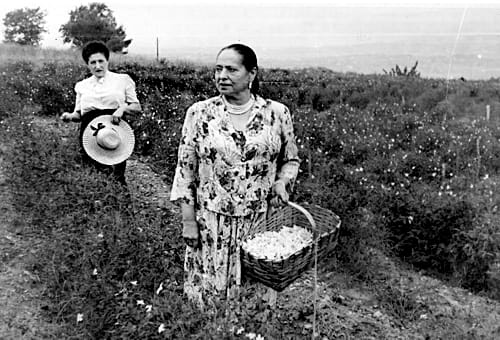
(100, 80)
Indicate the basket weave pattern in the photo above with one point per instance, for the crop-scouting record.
(278, 274)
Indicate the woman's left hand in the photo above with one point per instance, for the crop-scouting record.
(279, 193)
(116, 118)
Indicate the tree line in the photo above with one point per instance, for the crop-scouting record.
(96, 21)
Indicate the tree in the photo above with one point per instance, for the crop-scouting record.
(94, 22)
(24, 26)
(397, 72)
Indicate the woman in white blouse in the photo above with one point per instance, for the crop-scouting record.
(103, 93)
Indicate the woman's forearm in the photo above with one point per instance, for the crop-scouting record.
(188, 212)
(76, 116)
(132, 108)
(127, 109)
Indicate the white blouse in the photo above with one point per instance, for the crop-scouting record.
(108, 92)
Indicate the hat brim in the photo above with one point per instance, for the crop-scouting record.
(105, 156)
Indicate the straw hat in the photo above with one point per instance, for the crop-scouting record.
(108, 143)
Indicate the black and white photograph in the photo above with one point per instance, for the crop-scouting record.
(254, 170)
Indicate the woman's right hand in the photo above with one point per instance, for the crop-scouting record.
(69, 116)
(191, 233)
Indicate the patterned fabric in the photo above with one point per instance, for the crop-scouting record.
(227, 175)
(214, 269)
(229, 171)
(109, 92)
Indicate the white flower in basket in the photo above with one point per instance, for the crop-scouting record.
(279, 248)
(278, 245)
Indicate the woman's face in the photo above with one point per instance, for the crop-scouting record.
(98, 65)
(231, 77)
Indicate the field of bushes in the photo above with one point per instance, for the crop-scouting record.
(414, 157)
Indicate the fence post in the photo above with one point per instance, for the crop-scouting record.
(487, 112)
(157, 49)
(478, 150)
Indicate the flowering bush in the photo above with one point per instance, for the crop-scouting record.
(393, 157)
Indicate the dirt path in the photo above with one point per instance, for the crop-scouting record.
(146, 186)
(20, 289)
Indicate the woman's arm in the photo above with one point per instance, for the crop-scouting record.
(287, 163)
(288, 160)
(183, 186)
(190, 228)
(71, 116)
(131, 105)
(126, 110)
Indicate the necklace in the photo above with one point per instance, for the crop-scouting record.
(238, 109)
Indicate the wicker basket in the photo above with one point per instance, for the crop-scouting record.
(278, 274)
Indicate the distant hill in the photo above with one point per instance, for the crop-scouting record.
(475, 56)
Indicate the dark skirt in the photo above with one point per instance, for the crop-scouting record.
(118, 170)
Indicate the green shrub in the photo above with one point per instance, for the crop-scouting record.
(370, 145)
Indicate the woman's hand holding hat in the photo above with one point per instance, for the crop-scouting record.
(191, 233)
(279, 194)
(116, 117)
(108, 143)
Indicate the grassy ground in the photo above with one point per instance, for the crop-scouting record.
(109, 276)
(21, 290)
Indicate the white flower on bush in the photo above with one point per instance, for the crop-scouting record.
(161, 328)
(275, 245)
(160, 288)
(79, 317)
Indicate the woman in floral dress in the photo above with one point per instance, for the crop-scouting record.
(237, 155)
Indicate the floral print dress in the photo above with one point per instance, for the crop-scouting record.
(227, 175)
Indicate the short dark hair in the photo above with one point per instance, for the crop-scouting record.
(248, 59)
(93, 47)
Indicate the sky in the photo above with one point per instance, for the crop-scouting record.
(290, 29)
(185, 23)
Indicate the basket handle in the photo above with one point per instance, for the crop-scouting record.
(305, 212)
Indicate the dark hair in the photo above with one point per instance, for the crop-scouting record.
(93, 47)
(248, 59)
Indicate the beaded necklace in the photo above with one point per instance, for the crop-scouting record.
(238, 109)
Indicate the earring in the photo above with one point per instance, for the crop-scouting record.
(250, 85)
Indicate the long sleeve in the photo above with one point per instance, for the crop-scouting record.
(288, 160)
(185, 179)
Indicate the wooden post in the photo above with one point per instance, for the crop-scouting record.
(157, 50)
(487, 112)
(478, 150)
